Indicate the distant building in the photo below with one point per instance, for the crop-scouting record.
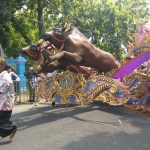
(18, 64)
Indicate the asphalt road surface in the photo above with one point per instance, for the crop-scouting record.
(93, 127)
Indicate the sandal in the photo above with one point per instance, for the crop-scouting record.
(0, 137)
(12, 134)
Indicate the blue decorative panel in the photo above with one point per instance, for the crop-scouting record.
(57, 98)
(66, 81)
(72, 99)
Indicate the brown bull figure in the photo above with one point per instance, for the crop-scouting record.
(40, 53)
(74, 49)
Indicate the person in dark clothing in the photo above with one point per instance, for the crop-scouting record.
(32, 85)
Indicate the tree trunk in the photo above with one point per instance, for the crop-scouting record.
(40, 20)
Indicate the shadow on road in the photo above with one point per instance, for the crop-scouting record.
(108, 141)
(47, 114)
(5, 142)
(72, 127)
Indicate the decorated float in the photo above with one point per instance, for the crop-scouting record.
(127, 85)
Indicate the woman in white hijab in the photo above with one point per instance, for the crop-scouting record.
(6, 102)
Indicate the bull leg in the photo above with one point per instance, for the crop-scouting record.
(68, 55)
(73, 57)
(50, 68)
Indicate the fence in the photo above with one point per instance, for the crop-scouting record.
(21, 91)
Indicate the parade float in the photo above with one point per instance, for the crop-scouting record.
(81, 83)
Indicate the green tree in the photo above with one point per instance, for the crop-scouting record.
(105, 22)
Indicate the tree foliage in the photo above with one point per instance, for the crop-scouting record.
(105, 22)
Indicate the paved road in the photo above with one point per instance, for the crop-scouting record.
(93, 127)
